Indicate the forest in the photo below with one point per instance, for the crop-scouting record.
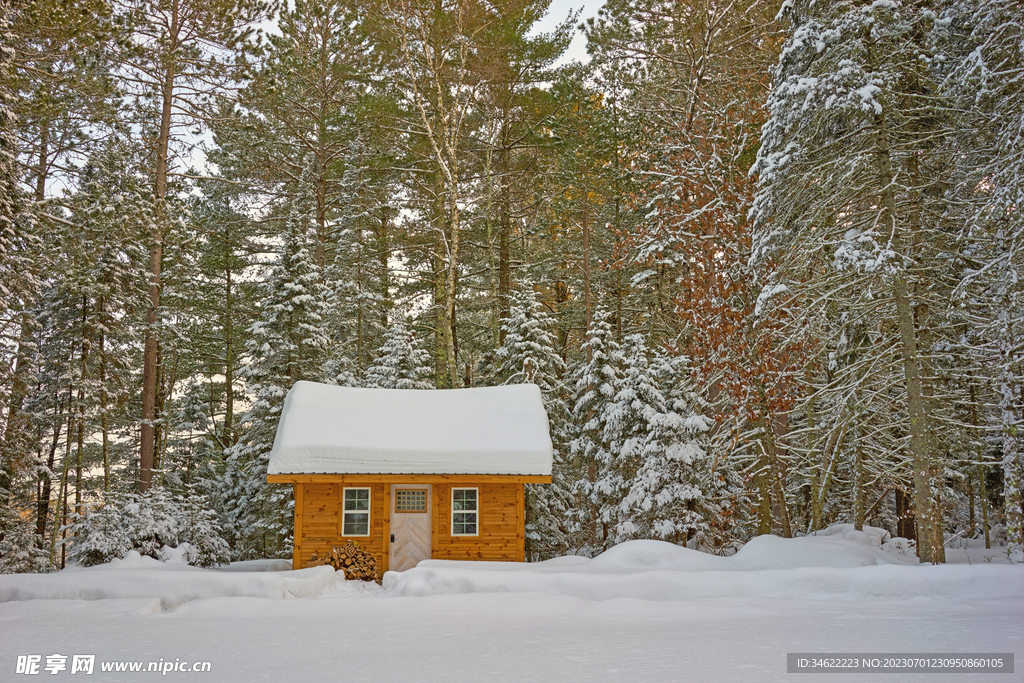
(764, 259)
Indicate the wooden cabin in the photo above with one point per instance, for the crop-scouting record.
(411, 475)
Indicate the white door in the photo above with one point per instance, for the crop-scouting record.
(410, 525)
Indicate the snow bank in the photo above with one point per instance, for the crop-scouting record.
(881, 582)
(171, 583)
(870, 535)
(257, 566)
(816, 567)
(761, 552)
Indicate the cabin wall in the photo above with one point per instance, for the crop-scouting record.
(499, 530)
(318, 527)
(501, 522)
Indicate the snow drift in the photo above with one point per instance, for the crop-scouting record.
(822, 567)
(173, 583)
(813, 567)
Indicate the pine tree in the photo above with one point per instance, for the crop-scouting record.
(358, 272)
(174, 65)
(528, 352)
(595, 385)
(402, 362)
(17, 284)
(287, 344)
(527, 355)
(668, 494)
(987, 82)
(847, 175)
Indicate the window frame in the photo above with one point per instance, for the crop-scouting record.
(476, 512)
(368, 511)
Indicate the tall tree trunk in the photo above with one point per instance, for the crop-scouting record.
(80, 440)
(60, 514)
(586, 277)
(859, 482)
(228, 439)
(983, 494)
(147, 447)
(764, 507)
(929, 549)
(43, 504)
(504, 236)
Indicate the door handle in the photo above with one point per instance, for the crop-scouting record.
(392, 538)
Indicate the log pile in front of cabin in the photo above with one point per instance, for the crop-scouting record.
(357, 564)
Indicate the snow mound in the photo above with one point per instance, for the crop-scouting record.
(772, 552)
(761, 552)
(877, 582)
(813, 567)
(870, 535)
(257, 566)
(171, 582)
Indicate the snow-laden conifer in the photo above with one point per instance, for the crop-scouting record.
(595, 385)
(528, 352)
(987, 81)
(667, 497)
(287, 344)
(402, 362)
(528, 355)
(849, 188)
(148, 523)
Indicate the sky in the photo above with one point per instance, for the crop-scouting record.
(558, 11)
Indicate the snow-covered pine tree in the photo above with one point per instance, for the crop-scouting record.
(287, 344)
(642, 435)
(85, 317)
(667, 495)
(149, 523)
(987, 80)
(848, 174)
(595, 384)
(528, 355)
(402, 362)
(358, 272)
(18, 284)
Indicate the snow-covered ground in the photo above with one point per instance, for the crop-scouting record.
(643, 611)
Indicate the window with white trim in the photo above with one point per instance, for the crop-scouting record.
(465, 512)
(355, 514)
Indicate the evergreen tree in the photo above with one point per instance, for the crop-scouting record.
(668, 494)
(287, 344)
(18, 285)
(847, 174)
(402, 362)
(987, 82)
(358, 273)
(527, 355)
(528, 352)
(595, 386)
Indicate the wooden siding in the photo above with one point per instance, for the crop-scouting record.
(318, 528)
(498, 529)
(501, 522)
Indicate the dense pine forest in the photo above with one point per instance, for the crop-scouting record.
(764, 259)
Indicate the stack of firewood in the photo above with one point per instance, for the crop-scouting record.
(357, 564)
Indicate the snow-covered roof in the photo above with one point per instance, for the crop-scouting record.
(343, 430)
